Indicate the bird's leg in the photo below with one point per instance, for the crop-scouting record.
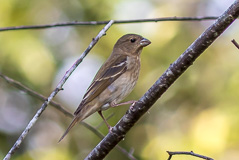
(109, 127)
(124, 103)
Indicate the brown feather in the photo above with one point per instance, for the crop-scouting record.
(74, 121)
(103, 79)
(114, 80)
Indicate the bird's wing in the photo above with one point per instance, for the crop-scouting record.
(107, 74)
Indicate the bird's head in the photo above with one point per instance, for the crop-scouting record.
(131, 44)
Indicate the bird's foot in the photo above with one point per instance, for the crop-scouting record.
(132, 105)
(110, 129)
(124, 103)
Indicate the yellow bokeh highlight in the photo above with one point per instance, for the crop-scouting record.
(210, 131)
(160, 143)
(5, 11)
(163, 31)
(46, 154)
(29, 57)
(154, 149)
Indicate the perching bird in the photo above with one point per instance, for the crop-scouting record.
(114, 81)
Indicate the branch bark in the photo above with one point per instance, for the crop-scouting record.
(59, 107)
(77, 23)
(187, 153)
(164, 82)
(53, 94)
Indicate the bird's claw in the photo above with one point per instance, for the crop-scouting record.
(110, 129)
(132, 105)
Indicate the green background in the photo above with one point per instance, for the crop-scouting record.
(198, 113)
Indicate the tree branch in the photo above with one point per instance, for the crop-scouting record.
(32, 93)
(175, 70)
(187, 153)
(235, 43)
(77, 23)
(59, 107)
(53, 94)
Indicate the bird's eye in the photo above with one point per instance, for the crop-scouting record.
(132, 40)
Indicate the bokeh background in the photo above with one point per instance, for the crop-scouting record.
(199, 113)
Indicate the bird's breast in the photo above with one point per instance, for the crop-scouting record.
(122, 86)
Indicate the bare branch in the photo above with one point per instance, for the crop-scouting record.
(187, 153)
(175, 70)
(58, 106)
(235, 43)
(58, 88)
(77, 23)
(39, 96)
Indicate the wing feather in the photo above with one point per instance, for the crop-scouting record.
(107, 74)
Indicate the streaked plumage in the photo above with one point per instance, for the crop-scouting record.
(115, 79)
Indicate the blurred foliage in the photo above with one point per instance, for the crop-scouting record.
(199, 112)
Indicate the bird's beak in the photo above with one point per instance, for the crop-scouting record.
(144, 42)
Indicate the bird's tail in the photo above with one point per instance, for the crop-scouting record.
(80, 115)
(74, 121)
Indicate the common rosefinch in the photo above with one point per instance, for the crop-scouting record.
(114, 81)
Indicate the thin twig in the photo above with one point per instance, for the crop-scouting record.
(58, 88)
(39, 96)
(235, 43)
(59, 107)
(187, 153)
(77, 23)
(175, 70)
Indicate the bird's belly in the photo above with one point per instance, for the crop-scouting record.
(118, 90)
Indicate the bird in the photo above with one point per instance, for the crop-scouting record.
(114, 81)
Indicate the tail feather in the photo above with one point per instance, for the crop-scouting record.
(85, 111)
(74, 121)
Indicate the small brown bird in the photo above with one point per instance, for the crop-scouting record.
(114, 81)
